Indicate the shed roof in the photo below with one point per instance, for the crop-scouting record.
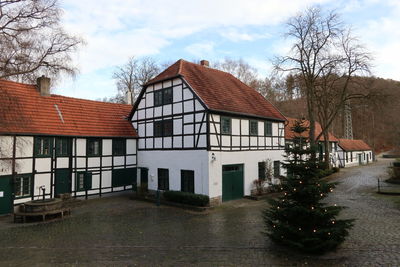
(23, 110)
(353, 145)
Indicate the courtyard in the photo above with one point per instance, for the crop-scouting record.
(118, 231)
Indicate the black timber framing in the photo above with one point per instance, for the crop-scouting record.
(72, 166)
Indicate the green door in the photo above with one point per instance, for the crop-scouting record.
(62, 182)
(144, 178)
(6, 195)
(232, 182)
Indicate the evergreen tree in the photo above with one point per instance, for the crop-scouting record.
(299, 219)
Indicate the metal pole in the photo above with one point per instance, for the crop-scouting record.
(379, 186)
(158, 198)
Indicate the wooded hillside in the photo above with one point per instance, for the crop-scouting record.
(376, 119)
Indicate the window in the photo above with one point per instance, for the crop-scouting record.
(163, 128)
(261, 170)
(370, 155)
(93, 147)
(83, 181)
(268, 128)
(163, 97)
(158, 98)
(163, 179)
(253, 127)
(347, 156)
(187, 181)
(22, 186)
(124, 177)
(63, 147)
(277, 168)
(351, 156)
(225, 125)
(119, 147)
(167, 96)
(43, 146)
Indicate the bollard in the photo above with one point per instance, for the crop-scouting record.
(379, 186)
(158, 198)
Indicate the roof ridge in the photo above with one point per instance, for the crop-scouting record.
(91, 100)
(21, 83)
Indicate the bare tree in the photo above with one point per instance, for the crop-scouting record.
(240, 69)
(32, 40)
(323, 53)
(131, 76)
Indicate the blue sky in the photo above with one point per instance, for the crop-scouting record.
(252, 30)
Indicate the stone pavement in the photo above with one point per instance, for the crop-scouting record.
(118, 231)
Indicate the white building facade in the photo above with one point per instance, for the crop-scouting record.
(63, 146)
(354, 153)
(186, 145)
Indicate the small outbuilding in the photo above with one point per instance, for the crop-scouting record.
(354, 153)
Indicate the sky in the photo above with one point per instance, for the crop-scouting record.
(252, 30)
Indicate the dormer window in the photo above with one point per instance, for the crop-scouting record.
(163, 97)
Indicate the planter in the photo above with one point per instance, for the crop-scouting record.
(43, 205)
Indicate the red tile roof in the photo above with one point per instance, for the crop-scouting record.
(221, 91)
(24, 111)
(289, 134)
(353, 145)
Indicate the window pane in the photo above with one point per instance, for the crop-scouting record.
(253, 128)
(158, 125)
(158, 98)
(119, 147)
(163, 179)
(277, 168)
(93, 147)
(167, 128)
(167, 96)
(225, 125)
(268, 128)
(187, 181)
(261, 170)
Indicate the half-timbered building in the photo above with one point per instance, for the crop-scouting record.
(333, 141)
(354, 152)
(202, 130)
(62, 145)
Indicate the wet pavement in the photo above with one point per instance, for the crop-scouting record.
(119, 231)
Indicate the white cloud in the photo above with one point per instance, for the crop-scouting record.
(199, 50)
(236, 35)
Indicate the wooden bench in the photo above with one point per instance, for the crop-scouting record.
(22, 216)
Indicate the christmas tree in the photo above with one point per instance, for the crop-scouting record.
(298, 219)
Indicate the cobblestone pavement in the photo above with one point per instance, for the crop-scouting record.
(118, 231)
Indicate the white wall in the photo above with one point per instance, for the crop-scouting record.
(354, 161)
(250, 160)
(240, 135)
(26, 164)
(180, 111)
(175, 161)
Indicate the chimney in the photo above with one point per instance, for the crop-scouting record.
(205, 63)
(43, 85)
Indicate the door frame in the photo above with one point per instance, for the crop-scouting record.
(69, 180)
(11, 186)
(222, 180)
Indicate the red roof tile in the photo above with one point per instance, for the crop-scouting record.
(24, 111)
(353, 145)
(221, 91)
(289, 134)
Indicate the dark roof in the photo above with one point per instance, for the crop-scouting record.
(221, 91)
(353, 145)
(24, 111)
(289, 134)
